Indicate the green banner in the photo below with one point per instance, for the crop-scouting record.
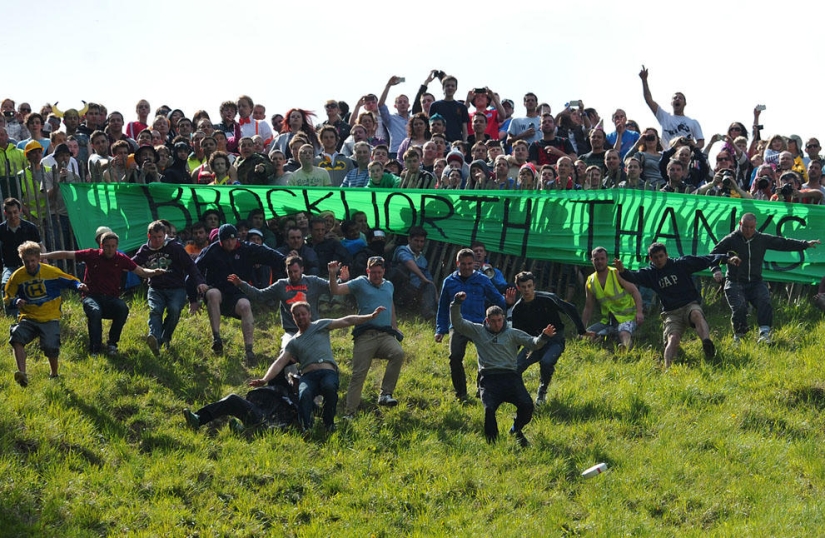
(561, 227)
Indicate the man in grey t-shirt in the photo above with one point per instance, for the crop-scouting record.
(310, 348)
(288, 291)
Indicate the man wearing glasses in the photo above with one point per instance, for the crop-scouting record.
(379, 338)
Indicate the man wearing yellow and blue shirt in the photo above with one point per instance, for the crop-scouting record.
(34, 290)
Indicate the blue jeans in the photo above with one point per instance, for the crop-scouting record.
(314, 383)
(98, 308)
(547, 357)
(755, 293)
(171, 300)
(497, 388)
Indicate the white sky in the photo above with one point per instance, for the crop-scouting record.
(726, 57)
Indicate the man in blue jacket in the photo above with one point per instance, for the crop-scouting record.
(480, 291)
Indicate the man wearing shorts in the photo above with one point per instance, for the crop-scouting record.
(620, 303)
(225, 257)
(34, 290)
(672, 282)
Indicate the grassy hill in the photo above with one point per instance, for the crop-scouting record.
(731, 447)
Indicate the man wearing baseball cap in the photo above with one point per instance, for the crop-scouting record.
(218, 261)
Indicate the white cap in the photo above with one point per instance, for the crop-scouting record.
(595, 470)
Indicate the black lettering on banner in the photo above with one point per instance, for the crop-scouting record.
(669, 214)
(427, 199)
(507, 225)
(591, 218)
(407, 222)
(637, 233)
(479, 200)
(173, 201)
(312, 207)
(272, 193)
(202, 206)
(783, 268)
(699, 217)
(235, 195)
(343, 194)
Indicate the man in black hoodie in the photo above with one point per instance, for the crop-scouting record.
(743, 283)
(167, 291)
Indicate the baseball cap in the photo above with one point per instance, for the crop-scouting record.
(375, 260)
(227, 231)
(255, 231)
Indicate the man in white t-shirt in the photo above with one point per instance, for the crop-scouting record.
(676, 124)
(529, 127)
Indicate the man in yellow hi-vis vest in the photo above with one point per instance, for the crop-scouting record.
(619, 301)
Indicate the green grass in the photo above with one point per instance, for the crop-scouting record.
(731, 447)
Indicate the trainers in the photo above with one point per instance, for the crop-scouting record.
(111, 349)
(54, 376)
(387, 400)
(21, 378)
(708, 348)
(152, 342)
(192, 419)
(737, 341)
(217, 345)
(330, 427)
(250, 357)
(236, 425)
(541, 398)
(764, 338)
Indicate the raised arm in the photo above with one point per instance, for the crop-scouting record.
(653, 105)
(348, 321)
(334, 287)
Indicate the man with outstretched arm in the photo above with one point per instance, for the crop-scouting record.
(311, 349)
(671, 280)
(743, 283)
(498, 377)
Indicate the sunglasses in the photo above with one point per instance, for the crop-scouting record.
(811, 146)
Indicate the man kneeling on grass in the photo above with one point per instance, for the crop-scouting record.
(498, 377)
(671, 280)
(311, 349)
(34, 290)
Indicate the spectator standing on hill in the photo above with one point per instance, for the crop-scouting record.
(673, 125)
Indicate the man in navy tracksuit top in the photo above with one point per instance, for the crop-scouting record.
(744, 284)
(480, 290)
(671, 280)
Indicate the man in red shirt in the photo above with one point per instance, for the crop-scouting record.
(104, 269)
